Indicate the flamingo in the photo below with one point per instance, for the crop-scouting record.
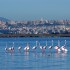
(57, 47)
(45, 46)
(19, 48)
(50, 47)
(26, 48)
(6, 48)
(63, 48)
(12, 48)
(40, 47)
(34, 47)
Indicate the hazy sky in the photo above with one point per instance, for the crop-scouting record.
(35, 9)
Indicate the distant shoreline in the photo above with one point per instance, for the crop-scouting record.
(34, 35)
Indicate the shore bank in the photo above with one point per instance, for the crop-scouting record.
(34, 35)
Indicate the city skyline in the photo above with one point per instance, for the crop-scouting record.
(34, 9)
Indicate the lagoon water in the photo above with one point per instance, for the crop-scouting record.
(34, 60)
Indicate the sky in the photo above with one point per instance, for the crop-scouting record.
(35, 9)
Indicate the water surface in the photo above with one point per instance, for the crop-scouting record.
(34, 60)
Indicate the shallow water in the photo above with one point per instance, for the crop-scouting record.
(34, 60)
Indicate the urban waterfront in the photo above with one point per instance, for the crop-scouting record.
(34, 59)
(42, 26)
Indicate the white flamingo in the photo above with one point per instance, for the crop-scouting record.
(12, 48)
(6, 48)
(50, 47)
(34, 47)
(57, 47)
(26, 48)
(45, 46)
(63, 48)
(40, 47)
(19, 48)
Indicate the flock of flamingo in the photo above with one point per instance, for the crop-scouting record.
(43, 48)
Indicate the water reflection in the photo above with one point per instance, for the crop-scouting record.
(34, 54)
(26, 55)
(64, 54)
(36, 60)
(42, 54)
(58, 55)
